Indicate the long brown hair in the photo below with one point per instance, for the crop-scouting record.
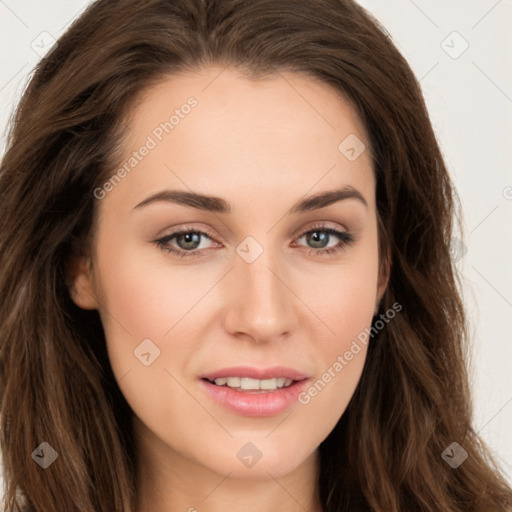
(412, 402)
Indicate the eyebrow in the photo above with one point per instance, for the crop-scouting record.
(219, 205)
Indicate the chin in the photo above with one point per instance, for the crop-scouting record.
(274, 462)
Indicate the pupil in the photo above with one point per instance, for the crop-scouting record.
(190, 238)
(318, 237)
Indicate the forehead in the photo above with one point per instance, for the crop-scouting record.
(217, 132)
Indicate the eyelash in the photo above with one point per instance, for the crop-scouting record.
(345, 237)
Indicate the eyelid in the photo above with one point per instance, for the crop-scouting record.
(325, 226)
(319, 224)
(188, 229)
(296, 234)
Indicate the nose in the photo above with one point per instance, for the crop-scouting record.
(260, 303)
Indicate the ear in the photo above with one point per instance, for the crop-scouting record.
(81, 282)
(383, 280)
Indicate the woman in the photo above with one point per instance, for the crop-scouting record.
(175, 334)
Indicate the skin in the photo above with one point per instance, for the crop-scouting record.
(262, 146)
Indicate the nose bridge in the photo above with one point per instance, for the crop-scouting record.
(260, 304)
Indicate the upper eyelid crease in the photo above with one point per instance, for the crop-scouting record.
(219, 205)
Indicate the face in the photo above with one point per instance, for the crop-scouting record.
(261, 277)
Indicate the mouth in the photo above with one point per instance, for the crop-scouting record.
(249, 396)
(251, 386)
(251, 391)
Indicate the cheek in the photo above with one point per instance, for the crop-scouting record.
(343, 296)
(147, 299)
(140, 301)
(340, 358)
(143, 301)
(345, 303)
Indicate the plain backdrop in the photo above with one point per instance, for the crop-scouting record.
(461, 53)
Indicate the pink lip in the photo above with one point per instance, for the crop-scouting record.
(269, 403)
(256, 373)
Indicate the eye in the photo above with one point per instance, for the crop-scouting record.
(320, 236)
(187, 241)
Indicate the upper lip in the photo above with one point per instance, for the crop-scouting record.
(256, 373)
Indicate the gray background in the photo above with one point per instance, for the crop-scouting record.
(469, 96)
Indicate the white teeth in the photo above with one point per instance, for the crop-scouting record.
(267, 384)
(246, 383)
(233, 382)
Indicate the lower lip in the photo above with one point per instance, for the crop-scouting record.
(259, 404)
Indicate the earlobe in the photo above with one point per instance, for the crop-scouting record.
(81, 283)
